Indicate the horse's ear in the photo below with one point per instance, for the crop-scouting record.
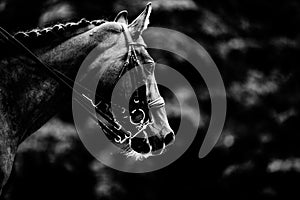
(122, 17)
(141, 22)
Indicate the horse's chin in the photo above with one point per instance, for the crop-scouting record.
(136, 156)
(149, 142)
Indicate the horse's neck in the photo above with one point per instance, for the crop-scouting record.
(37, 96)
(68, 56)
(29, 95)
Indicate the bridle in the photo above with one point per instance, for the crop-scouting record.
(111, 127)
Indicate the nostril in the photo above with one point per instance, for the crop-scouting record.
(140, 145)
(169, 138)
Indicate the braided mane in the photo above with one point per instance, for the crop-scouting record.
(50, 36)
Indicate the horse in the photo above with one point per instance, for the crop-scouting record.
(35, 67)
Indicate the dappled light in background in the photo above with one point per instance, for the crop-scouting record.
(255, 86)
(255, 45)
(62, 133)
(279, 165)
(285, 115)
(184, 109)
(213, 25)
(56, 147)
(238, 44)
(174, 4)
(2, 6)
(167, 5)
(57, 13)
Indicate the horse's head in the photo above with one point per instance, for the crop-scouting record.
(135, 119)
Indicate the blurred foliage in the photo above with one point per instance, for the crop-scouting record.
(255, 45)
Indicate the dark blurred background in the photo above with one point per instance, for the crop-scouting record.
(255, 45)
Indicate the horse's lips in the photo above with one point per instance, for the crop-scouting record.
(155, 141)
